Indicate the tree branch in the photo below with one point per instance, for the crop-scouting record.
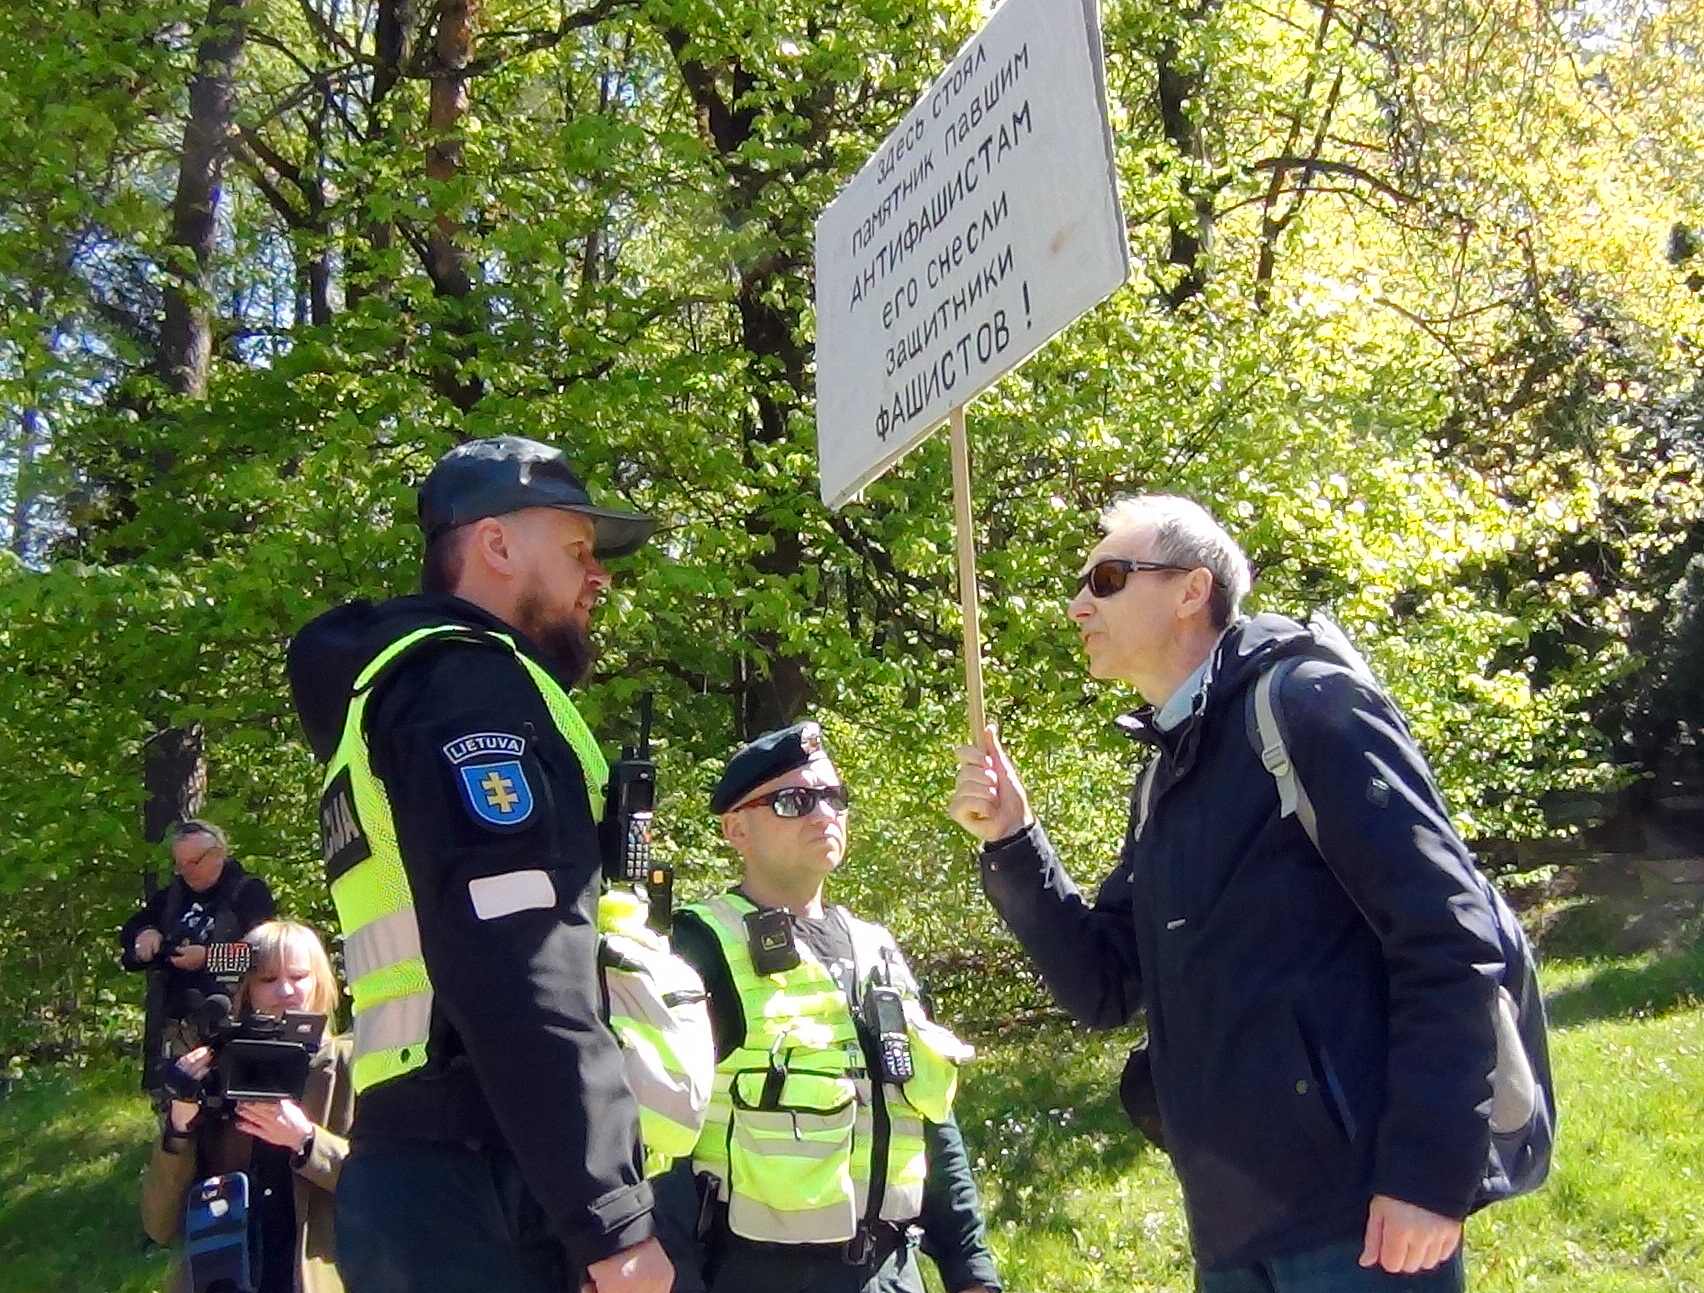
(270, 191)
(1349, 170)
(329, 35)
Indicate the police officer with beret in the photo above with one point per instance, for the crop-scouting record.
(494, 1143)
(830, 1143)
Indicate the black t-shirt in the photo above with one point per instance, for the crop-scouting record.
(830, 941)
(226, 911)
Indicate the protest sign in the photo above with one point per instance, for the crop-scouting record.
(986, 222)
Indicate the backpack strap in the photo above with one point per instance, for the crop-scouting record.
(1142, 799)
(1266, 732)
(171, 910)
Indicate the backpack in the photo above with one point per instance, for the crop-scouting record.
(1523, 1099)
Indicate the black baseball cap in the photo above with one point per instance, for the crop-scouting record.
(507, 473)
(764, 759)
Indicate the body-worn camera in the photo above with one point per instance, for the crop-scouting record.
(769, 937)
(256, 1057)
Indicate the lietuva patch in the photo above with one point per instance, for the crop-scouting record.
(493, 783)
(342, 841)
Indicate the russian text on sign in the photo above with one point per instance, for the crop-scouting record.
(987, 221)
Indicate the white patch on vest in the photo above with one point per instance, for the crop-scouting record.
(503, 895)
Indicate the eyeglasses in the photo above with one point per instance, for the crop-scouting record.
(202, 856)
(796, 801)
(1109, 575)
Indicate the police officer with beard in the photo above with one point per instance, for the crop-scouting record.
(494, 1142)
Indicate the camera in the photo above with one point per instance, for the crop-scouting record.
(255, 1057)
(225, 961)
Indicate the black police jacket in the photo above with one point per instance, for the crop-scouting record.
(1320, 1027)
(518, 1055)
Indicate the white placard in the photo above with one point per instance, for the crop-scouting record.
(985, 223)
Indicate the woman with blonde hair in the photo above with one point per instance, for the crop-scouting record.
(291, 1152)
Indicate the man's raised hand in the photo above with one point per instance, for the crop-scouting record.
(988, 798)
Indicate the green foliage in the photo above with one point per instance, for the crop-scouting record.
(1440, 375)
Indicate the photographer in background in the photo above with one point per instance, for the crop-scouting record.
(210, 900)
(291, 1151)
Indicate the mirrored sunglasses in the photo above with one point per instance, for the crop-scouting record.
(796, 801)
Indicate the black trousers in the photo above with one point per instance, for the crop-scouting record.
(739, 1267)
(429, 1217)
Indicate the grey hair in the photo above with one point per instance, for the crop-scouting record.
(1185, 534)
(193, 826)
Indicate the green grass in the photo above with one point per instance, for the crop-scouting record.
(1076, 1201)
(72, 1148)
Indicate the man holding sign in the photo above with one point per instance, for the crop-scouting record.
(1320, 1018)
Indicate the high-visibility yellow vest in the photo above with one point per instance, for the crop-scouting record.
(388, 983)
(658, 1011)
(799, 1132)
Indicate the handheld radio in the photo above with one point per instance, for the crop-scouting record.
(884, 1018)
(628, 814)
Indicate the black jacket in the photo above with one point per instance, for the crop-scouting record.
(954, 1235)
(232, 906)
(518, 1056)
(1320, 1027)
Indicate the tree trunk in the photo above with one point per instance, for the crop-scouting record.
(174, 777)
(175, 771)
(453, 50)
(778, 691)
(316, 192)
(186, 334)
(446, 260)
(30, 439)
(393, 49)
(1182, 83)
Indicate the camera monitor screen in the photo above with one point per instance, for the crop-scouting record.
(272, 1067)
(257, 1068)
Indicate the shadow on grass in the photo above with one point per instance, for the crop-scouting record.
(1658, 987)
(72, 1148)
(1047, 1119)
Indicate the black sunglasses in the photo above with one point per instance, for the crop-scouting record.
(796, 801)
(1109, 575)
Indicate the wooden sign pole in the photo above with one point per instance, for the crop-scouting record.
(967, 577)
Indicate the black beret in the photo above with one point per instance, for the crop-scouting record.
(765, 758)
(508, 473)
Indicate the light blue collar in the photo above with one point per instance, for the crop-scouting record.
(1181, 703)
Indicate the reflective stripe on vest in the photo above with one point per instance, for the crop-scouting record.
(388, 983)
(793, 1125)
(658, 1011)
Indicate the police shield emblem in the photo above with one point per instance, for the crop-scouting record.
(497, 793)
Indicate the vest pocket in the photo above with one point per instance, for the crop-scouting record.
(935, 1056)
(790, 1156)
